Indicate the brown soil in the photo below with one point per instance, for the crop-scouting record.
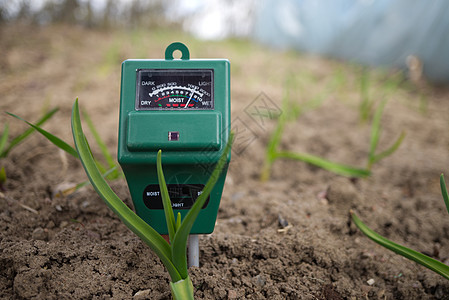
(75, 248)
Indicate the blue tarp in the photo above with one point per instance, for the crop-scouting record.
(374, 32)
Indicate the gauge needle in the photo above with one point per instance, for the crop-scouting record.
(189, 99)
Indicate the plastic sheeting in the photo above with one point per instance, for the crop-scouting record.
(376, 32)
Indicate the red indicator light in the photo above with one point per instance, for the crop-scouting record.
(168, 105)
(173, 135)
(182, 105)
(175, 105)
(190, 105)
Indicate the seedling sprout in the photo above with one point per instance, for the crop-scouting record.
(375, 136)
(110, 172)
(366, 103)
(6, 147)
(172, 255)
(428, 262)
(273, 152)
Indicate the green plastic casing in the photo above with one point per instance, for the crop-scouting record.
(203, 135)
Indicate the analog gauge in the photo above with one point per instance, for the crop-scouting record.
(175, 89)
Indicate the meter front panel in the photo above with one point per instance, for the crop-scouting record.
(183, 108)
(175, 89)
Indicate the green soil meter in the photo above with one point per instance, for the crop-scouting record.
(181, 106)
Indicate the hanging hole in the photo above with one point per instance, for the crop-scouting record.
(173, 50)
(177, 54)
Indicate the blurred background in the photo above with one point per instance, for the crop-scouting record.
(325, 67)
(393, 33)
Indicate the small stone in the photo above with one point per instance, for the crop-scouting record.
(51, 225)
(282, 222)
(63, 189)
(58, 207)
(232, 294)
(143, 294)
(259, 280)
(370, 281)
(39, 234)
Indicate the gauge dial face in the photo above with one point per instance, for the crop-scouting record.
(175, 89)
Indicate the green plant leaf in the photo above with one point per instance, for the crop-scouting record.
(366, 103)
(375, 131)
(337, 168)
(182, 290)
(168, 210)
(100, 166)
(179, 245)
(54, 139)
(27, 132)
(152, 238)
(270, 154)
(2, 176)
(4, 138)
(420, 258)
(375, 136)
(390, 150)
(444, 192)
(275, 139)
(104, 150)
(178, 221)
(290, 112)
